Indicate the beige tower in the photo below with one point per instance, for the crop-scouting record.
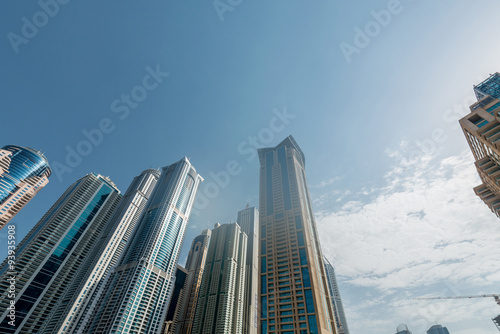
(294, 291)
(482, 131)
(220, 302)
(195, 265)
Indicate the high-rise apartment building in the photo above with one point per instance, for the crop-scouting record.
(403, 329)
(338, 307)
(178, 295)
(23, 173)
(482, 131)
(248, 220)
(54, 252)
(220, 303)
(438, 329)
(294, 290)
(136, 293)
(74, 308)
(195, 265)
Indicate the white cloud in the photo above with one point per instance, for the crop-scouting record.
(328, 182)
(425, 226)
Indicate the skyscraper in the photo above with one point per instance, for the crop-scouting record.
(293, 291)
(136, 294)
(248, 219)
(178, 295)
(482, 131)
(220, 302)
(195, 265)
(438, 329)
(23, 173)
(403, 329)
(75, 307)
(338, 308)
(55, 251)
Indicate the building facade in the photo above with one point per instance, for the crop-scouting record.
(482, 131)
(178, 295)
(220, 303)
(248, 220)
(294, 289)
(338, 307)
(438, 329)
(74, 309)
(195, 265)
(55, 251)
(136, 293)
(23, 173)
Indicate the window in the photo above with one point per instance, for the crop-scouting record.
(309, 301)
(312, 324)
(303, 256)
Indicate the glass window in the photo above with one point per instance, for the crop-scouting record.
(284, 177)
(309, 301)
(313, 326)
(303, 256)
(269, 182)
(298, 222)
(305, 277)
(300, 238)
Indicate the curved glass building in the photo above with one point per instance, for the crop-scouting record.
(23, 172)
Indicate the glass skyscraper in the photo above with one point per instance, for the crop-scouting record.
(403, 329)
(248, 219)
(438, 329)
(220, 303)
(195, 265)
(178, 295)
(56, 251)
(338, 308)
(23, 172)
(74, 308)
(293, 286)
(136, 294)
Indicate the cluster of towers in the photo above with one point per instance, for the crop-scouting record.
(100, 261)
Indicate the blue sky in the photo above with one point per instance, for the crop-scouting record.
(387, 164)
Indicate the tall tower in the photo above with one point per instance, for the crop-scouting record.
(178, 295)
(195, 265)
(482, 131)
(55, 251)
(294, 290)
(403, 329)
(220, 302)
(338, 308)
(248, 219)
(438, 329)
(74, 308)
(23, 173)
(136, 295)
